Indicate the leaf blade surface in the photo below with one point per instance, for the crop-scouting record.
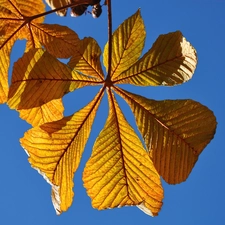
(55, 150)
(175, 132)
(171, 60)
(12, 24)
(58, 40)
(38, 78)
(120, 172)
(127, 44)
(86, 59)
(48, 112)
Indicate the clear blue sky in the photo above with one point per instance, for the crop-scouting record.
(25, 196)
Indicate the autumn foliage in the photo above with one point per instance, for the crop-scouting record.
(121, 170)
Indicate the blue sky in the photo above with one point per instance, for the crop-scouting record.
(25, 196)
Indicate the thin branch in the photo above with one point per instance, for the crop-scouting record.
(75, 3)
(108, 78)
(28, 19)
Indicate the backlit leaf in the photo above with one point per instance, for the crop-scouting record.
(120, 172)
(38, 78)
(86, 59)
(175, 132)
(5, 50)
(171, 60)
(20, 8)
(4, 62)
(59, 41)
(127, 45)
(55, 150)
(62, 42)
(12, 27)
(51, 111)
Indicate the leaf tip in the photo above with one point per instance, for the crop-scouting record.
(144, 209)
(56, 199)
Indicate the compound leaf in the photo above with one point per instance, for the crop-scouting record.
(120, 172)
(55, 150)
(19, 22)
(175, 132)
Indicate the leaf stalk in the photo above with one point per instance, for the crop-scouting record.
(108, 78)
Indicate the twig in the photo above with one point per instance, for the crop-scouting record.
(108, 78)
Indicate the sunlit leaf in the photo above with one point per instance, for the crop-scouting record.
(5, 50)
(171, 60)
(51, 111)
(38, 78)
(175, 132)
(86, 59)
(59, 41)
(20, 8)
(12, 14)
(127, 45)
(4, 63)
(120, 172)
(55, 150)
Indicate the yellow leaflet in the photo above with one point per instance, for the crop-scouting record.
(127, 44)
(55, 150)
(171, 60)
(20, 8)
(51, 111)
(120, 172)
(175, 132)
(11, 29)
(38, 78)
(5, 49)
(86, 59)
(60, 41)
